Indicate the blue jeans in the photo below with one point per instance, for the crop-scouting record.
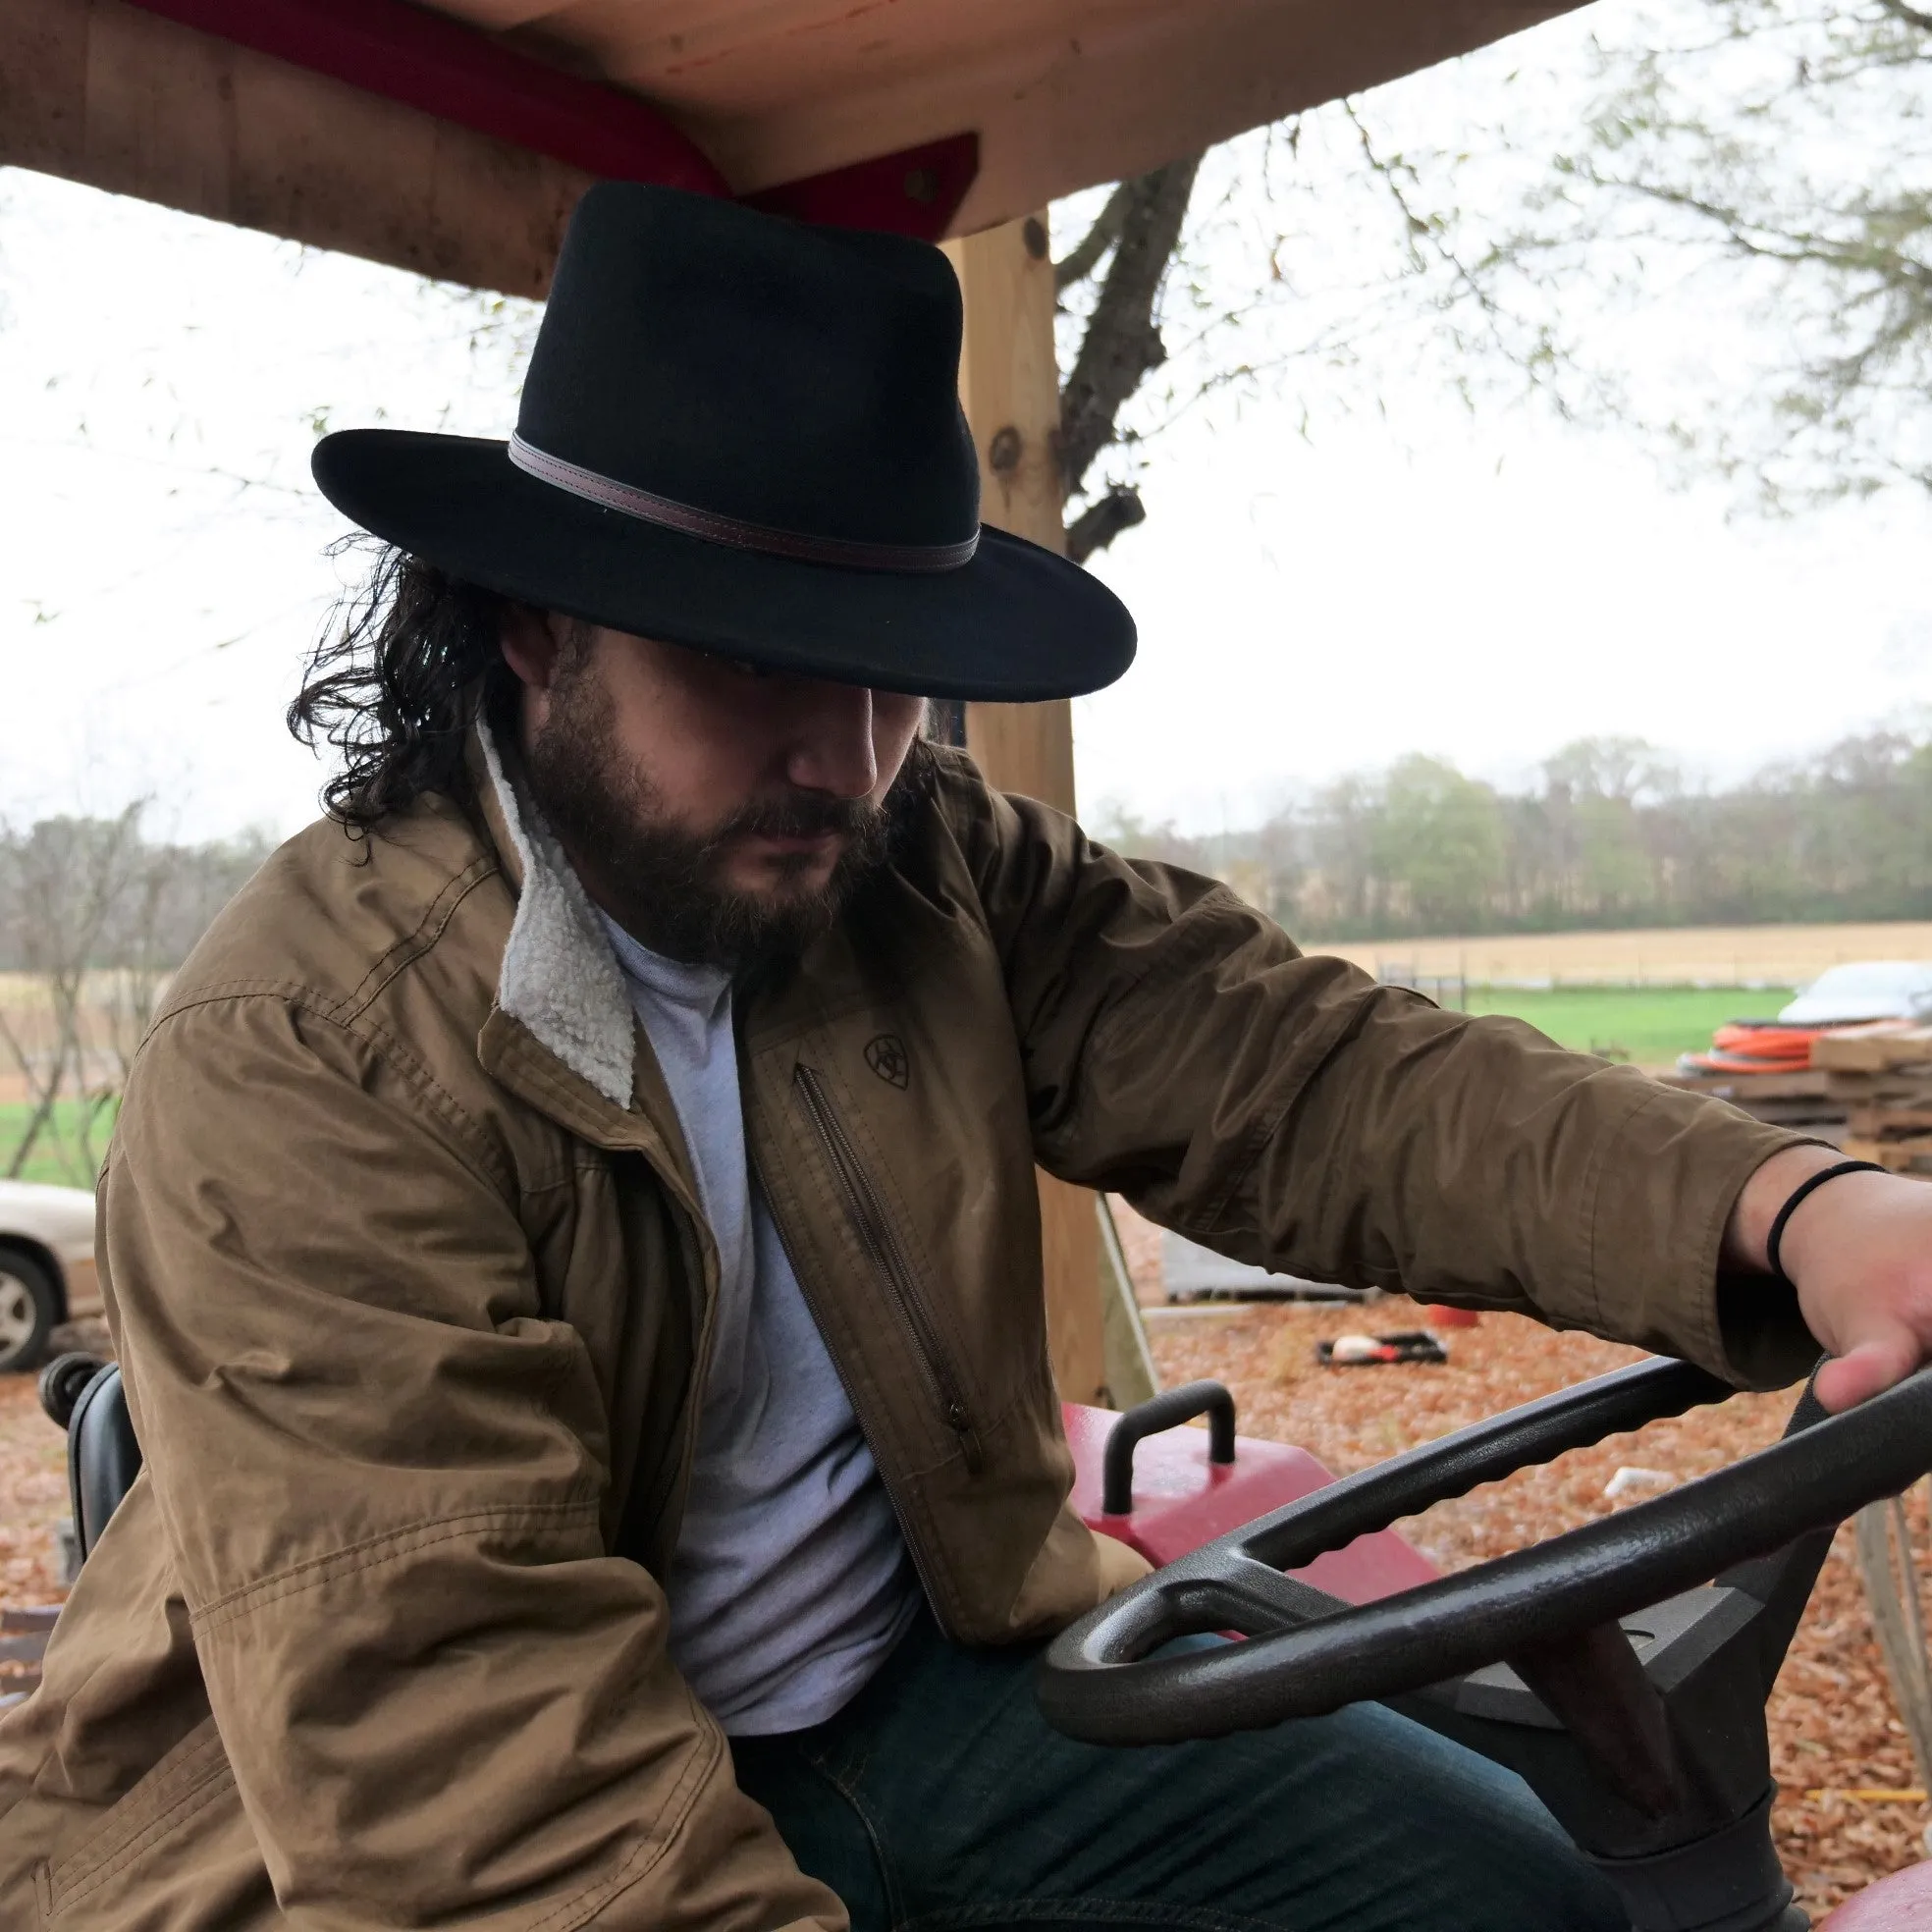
(940, 1797)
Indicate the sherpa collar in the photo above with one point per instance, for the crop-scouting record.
(559, 976)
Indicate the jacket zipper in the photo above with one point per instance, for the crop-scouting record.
(921, 1568)
(873, 1227)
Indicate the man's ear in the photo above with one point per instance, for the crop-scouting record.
(532, 641)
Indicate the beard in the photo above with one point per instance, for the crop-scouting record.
(664, 882)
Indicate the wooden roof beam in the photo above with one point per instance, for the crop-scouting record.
(109, 94)
(379, 128)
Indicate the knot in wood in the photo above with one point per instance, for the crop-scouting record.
(1003, 452)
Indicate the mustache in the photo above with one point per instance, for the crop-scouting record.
(801, 815)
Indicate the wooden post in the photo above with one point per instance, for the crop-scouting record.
(1009, 385)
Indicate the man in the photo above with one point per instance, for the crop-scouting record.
(572, 1243)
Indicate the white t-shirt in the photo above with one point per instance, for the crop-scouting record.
(791, 1582)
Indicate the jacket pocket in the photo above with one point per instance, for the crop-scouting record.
(174, 1790)
(872, 1225)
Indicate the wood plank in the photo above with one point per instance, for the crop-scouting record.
(1803, 1085)
(1059, 99)
(1061, 96)
(1907, 1156)
(1131, 1375)
(1781, 1099)
(1009, 385)
(1873, 1053)
(1885, 1122)
(104, 93)
(1908, 1086)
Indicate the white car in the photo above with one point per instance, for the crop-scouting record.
(1868, 990)
(46, 1267)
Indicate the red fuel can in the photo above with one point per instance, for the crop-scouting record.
(1165, 1490)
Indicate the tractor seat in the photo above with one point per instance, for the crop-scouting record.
(84, 1395)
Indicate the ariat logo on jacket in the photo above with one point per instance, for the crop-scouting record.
(886, 1055)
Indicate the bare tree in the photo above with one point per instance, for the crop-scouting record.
(62, 885)
(1136, 234)
(1746, 201)
(93, 919)
(1308, 256)
(1755, 178)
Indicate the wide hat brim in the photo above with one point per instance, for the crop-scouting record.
(1016, 625)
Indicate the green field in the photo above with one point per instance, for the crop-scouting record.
(57, 1155)
(1649, 1026)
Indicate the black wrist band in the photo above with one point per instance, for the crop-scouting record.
(1798, 1195)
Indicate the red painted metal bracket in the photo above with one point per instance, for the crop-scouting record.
(916, 191)
(426, 60)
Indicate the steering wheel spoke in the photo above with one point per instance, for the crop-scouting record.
(1233, 1593)
(1262, 1601)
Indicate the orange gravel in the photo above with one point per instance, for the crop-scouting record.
(33, 1498)
(1832, 1720)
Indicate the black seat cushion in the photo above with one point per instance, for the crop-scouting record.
(102, 1456)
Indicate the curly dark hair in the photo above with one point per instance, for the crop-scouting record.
(406, 663)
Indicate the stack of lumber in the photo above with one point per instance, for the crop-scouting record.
(1883, 1080)
(1802, 1097)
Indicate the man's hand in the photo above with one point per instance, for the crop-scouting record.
(1860, 1250)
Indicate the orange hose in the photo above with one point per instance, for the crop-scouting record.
(1716, 1062)
(1789, 1046)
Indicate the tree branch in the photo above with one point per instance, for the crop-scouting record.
(1085, 258)
(1909, 16)
(1103, 521)
(1392, 173)
(1121, 342)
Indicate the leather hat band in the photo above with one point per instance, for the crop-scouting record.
(715, 529)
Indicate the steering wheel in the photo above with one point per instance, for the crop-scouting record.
(1309, 1654)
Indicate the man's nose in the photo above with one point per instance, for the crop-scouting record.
(832, 749)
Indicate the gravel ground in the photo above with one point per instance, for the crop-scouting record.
(33, 1498)
(1831, 1721)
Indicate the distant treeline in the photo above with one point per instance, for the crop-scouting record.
(1612, 837)
(84, 893)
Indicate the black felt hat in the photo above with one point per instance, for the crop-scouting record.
(743, 434)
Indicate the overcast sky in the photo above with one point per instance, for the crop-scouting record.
(1412, 578)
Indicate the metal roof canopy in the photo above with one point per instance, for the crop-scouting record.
(453, 139)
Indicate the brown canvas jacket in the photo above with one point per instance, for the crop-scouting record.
(412, 1295)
